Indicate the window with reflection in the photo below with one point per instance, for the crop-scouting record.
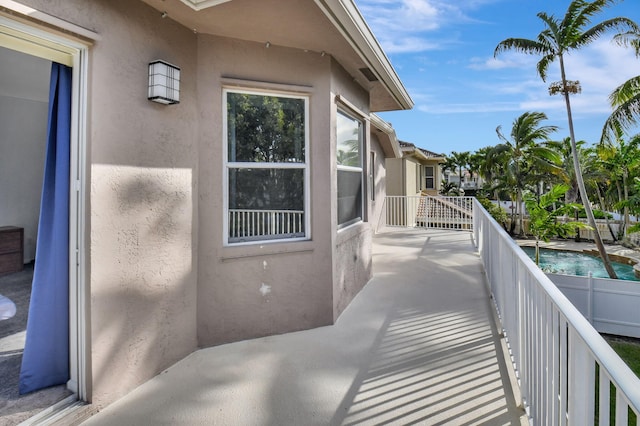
(266, 166)
(349, 158)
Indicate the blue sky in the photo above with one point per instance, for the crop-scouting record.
(443, 52)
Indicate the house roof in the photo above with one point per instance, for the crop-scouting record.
(410, 149)
(333, 27)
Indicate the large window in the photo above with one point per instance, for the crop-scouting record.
(349, 157)
(266, 166)
(429, 177)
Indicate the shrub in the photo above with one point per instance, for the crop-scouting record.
(497, 212)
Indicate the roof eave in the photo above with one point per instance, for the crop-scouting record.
(347, 19)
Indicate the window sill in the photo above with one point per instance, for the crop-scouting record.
(272, 248)
(351, 231)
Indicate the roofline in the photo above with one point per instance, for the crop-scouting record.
(348, 20)
(387, 128)
(419, 153)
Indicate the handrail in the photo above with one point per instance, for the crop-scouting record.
(429, 212)
(550, 339)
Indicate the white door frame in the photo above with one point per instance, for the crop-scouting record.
(23, 35)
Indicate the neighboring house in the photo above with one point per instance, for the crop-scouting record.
(470, 181)
(247, 209)
(418, 170)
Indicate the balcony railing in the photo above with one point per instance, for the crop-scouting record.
(565, 368)
(265, 224)
(429, 212)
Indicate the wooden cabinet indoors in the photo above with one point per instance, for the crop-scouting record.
(11, 249)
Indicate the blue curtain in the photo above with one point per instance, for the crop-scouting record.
(45, 361)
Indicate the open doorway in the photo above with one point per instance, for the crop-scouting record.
(24, 99)
(26, 56)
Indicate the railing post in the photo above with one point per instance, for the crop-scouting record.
(581, 382)
(590, 297)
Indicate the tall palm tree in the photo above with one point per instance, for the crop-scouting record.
(491, 168)
(524, 152)
(622, 159)
(625, 99)
(557, 39)
(461, 160)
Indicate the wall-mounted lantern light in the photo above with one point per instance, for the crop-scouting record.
(164, 83)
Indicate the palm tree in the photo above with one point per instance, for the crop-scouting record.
(567, 173)
(558, 38)
(543, 214)
(625, 99)
(524, 152)
(622, 160)
(491, 169)
(460, 160)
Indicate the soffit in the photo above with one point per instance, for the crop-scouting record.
(299, 24)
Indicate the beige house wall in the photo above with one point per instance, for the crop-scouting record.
(247, 291)
(142, 206)
(405, 176)
(376, 205)
(394, 176)
(352, 245)
(412, 176)
(160, 281)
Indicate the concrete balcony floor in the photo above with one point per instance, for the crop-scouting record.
(417, 346)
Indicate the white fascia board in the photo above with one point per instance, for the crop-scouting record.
(387, 128)
(346, 17)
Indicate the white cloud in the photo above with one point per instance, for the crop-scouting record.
(600, 68)
(404, 26)
(407, 45)
(503, 61)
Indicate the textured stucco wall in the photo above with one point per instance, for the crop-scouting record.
(161, 281)
(295, 277)
(144, 174)
(142, 165)
(352, 245)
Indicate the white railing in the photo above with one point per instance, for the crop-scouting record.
(556, 353)
(429, 212)
(262, 224)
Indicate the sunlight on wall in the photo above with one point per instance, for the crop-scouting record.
(143, 282)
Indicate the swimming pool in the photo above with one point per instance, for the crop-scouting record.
(576, 263)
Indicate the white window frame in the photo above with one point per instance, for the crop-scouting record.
(227, 166)
(433, 176)
(361, 135)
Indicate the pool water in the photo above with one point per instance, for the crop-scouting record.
(575, 263)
